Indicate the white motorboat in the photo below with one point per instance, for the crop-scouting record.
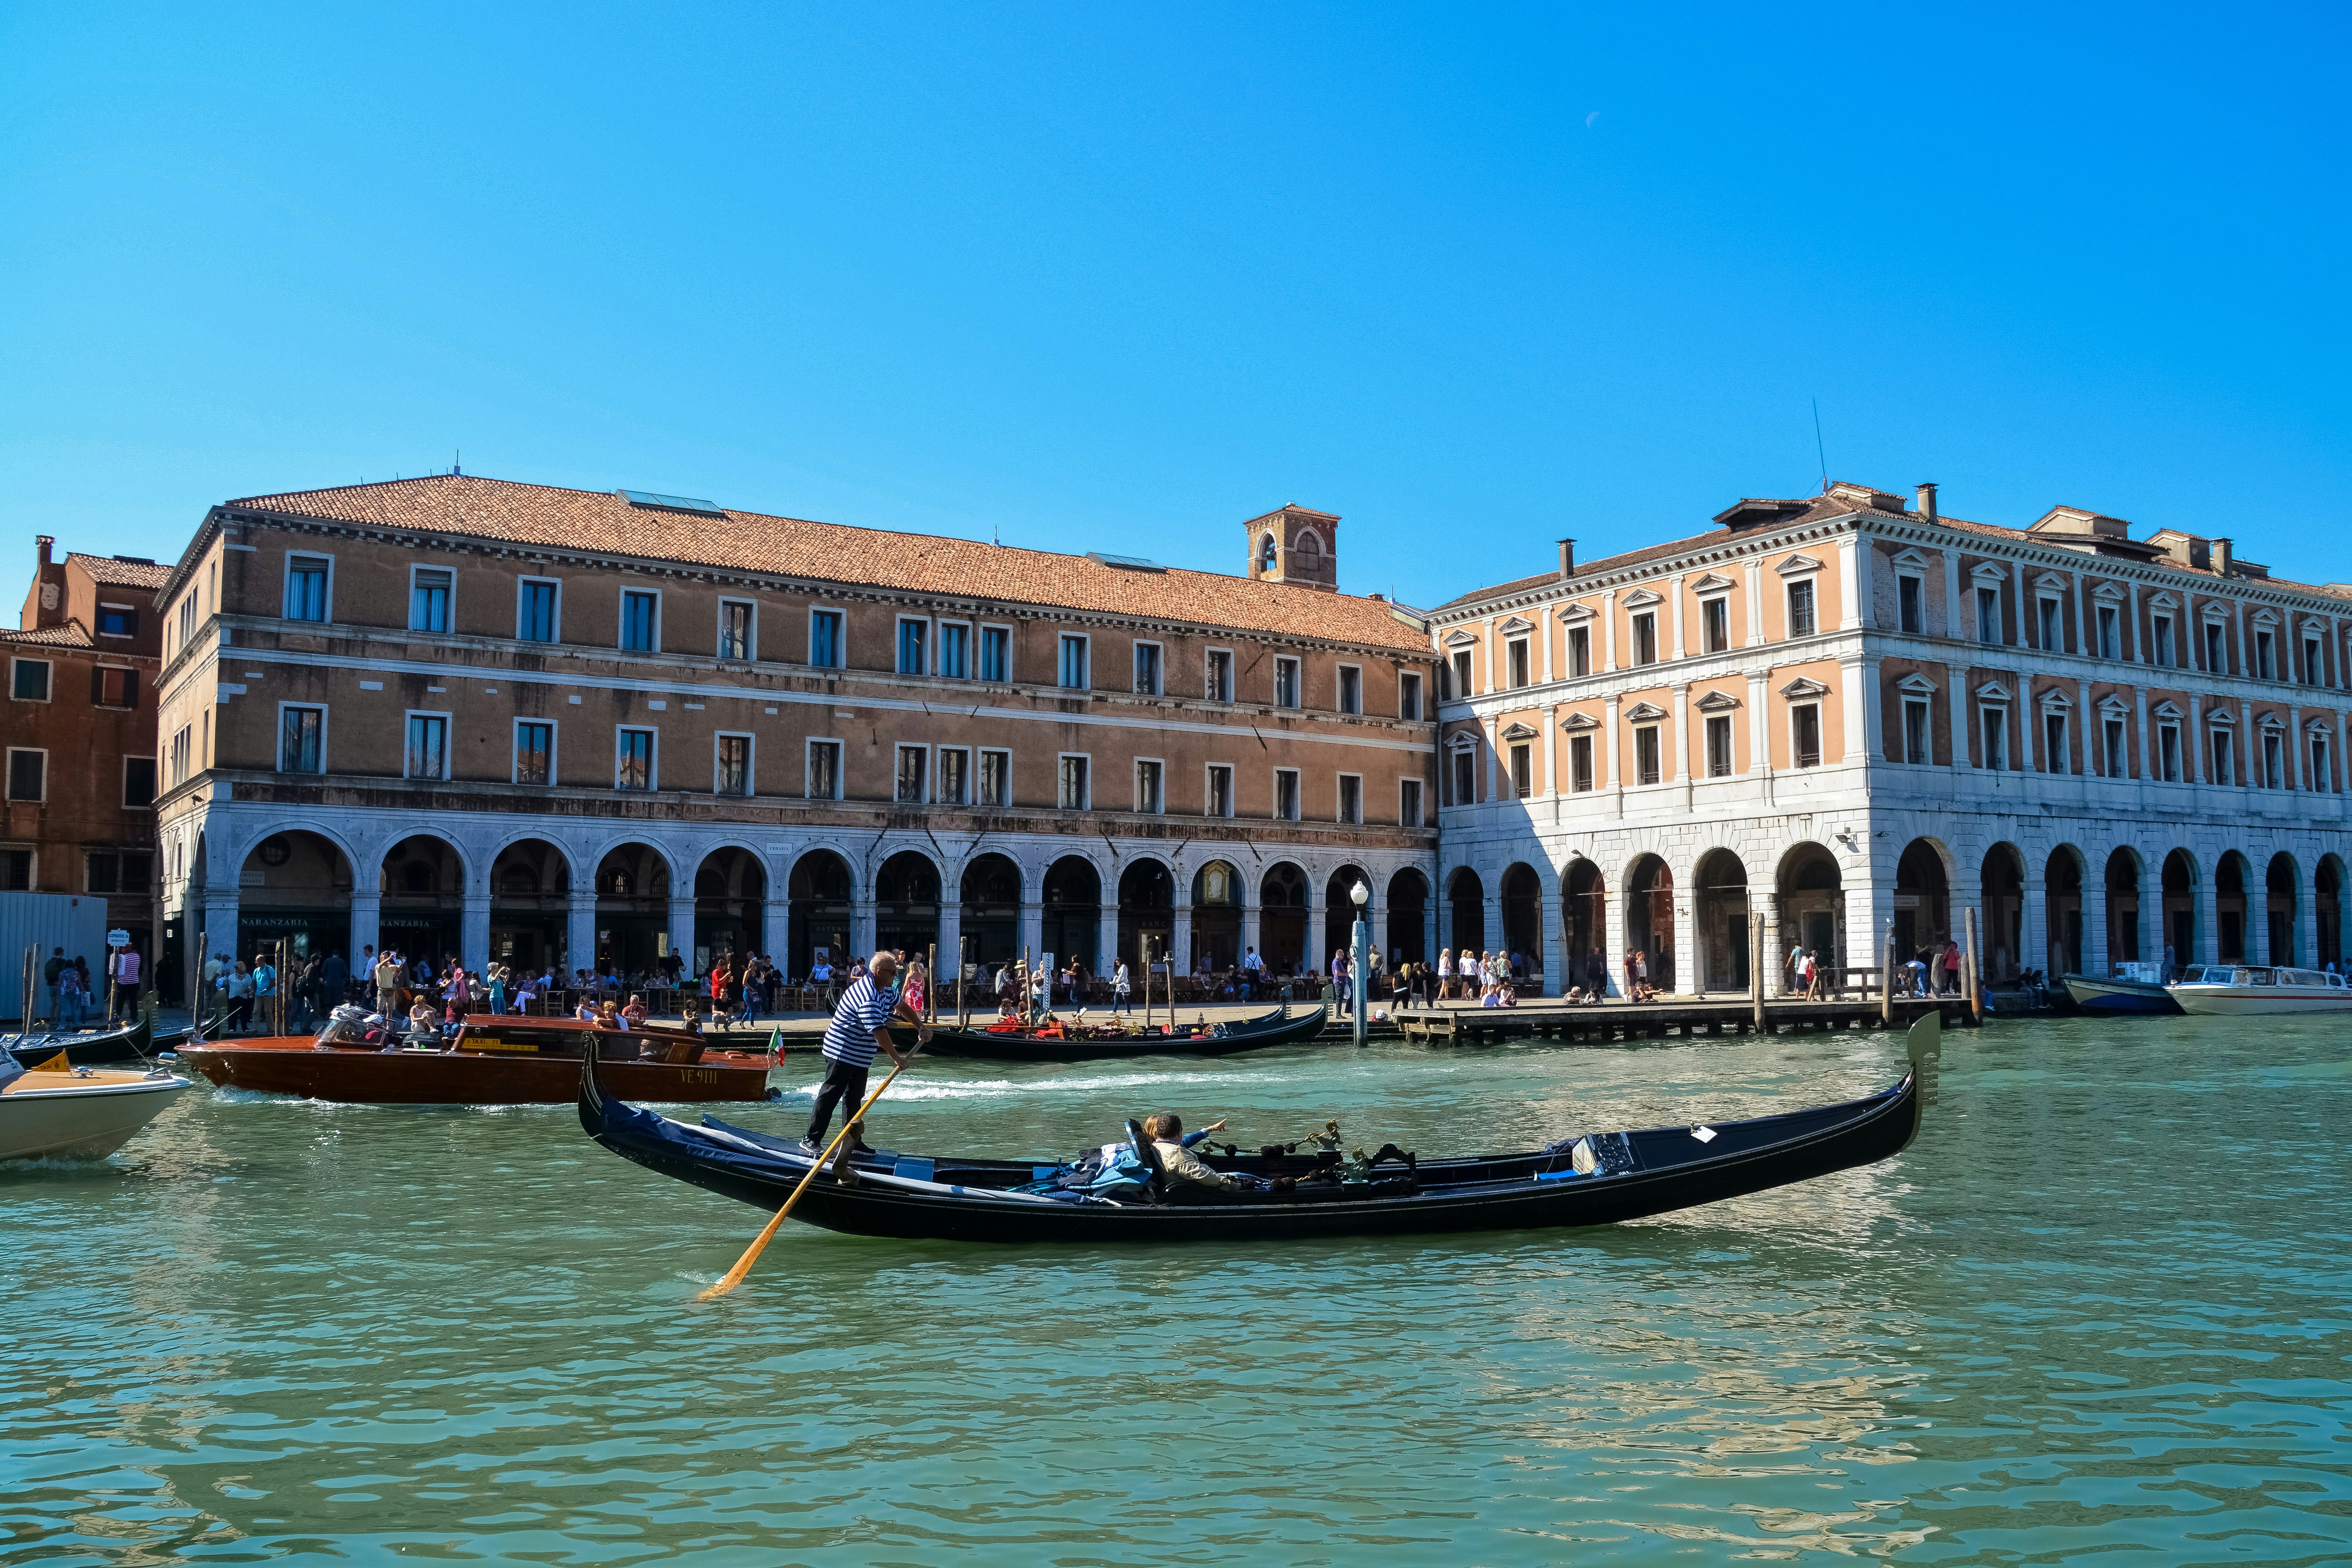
(2232, 991)
(65, 1112)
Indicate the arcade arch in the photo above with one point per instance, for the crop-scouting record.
(1723, 928)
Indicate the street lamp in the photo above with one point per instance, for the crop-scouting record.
(1361, 949)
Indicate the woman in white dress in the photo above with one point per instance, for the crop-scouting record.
(1445, 973)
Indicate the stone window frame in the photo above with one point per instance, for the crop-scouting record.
(1297, 811)
(1159, 806)
(8, 783)
(1159, 668)
(48, 681)
(2053, 703)
(929, 654)
(751, 764)
(620, 619)
(840, 753)
(285, 588)
(279, 736)
(1413, 712)
(1340, 670)
(940, 755)
(514, 750)
(898, 750)
(1209, 772)
(653, 756)
(840, 637)
(1340, 799)
(719, 630)
(450, 614)
(555, 620)
(2169, 722)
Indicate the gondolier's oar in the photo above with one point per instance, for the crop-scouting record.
(751, 1254)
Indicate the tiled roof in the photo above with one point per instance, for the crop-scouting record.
(1588, 568)
(601, 522)
(69, 635)
(122, 574)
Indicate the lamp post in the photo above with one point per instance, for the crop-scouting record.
(1360, 949)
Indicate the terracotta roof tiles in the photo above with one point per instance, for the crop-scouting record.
(122, 574)
(69, 635)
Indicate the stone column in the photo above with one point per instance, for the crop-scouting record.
(1324, 929)
(473, 935)
(681, 929)
(218, 934)
(1106, 938)
(578, 936)
(2306, 914)
(1674, 592)
(1616, 773)
(1682, 741)
(367, 918)
(2095, 919)
(1249, 930)
(1687, 978)
(862, 936)
(1775, 955)
(1493, 887)
(776, 931)
(1429, 915)
(1179, 939)
(1032, 927)
(1555, 938)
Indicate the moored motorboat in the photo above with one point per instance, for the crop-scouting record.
(1068, 1040)
(2233, 991)
(2132, 988)
(1592, 1179)
(493, 1060)
(59, 1112)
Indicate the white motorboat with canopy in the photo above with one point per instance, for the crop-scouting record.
(2242, 990)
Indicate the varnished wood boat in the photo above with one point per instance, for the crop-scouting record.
(1598, 1178)
(495, 1060)
(1065, 1041)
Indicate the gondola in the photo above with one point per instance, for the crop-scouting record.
(133, 1044)
(1064, 1041)
(1593, 1179)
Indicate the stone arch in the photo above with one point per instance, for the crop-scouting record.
(907, 889)
(2230, 875)
(1282, 893)
(1468, 895)
(531, 904)
(990, 889)
(1719, 885)
(1147, 913)
(1584, 923)
(2281, 881)
(731, 905)
(1339, 911)
(819, 893)
(422, 878)
(2327, 905)
(2062, 887)
(1523, 922)
(1650, 916)
(295, 886)
(1809, 892)
(635, 882)
(1072, 924)
(2179, 882)
(2123, 909)
(1923, 900)
(1217, 902)
(2001, 878)
(1407, 910)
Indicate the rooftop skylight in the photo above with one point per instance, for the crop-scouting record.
(673, 503)
(1125, 562)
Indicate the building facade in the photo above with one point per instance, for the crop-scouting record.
(79, 814)
(558, 728)
(1857, 717)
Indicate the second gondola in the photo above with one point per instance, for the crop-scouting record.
(1068, 1041)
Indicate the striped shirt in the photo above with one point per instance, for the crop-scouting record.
(863, 1008)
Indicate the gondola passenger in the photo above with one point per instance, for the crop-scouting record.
(1178, 1163)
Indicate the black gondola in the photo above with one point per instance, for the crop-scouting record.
(133, 1044)
(1629, 1176)
(1280, 1027)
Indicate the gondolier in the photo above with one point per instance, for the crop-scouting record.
(861, 1025)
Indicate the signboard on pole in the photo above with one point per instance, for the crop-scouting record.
(118, 939)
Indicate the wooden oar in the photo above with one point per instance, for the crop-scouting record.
(751, 1254)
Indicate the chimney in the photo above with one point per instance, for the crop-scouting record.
(2221, 558)
(1927, 502)
(1567, 558)
(42, 543)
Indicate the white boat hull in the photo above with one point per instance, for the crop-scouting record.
(79, 1119)
(2255, 1000)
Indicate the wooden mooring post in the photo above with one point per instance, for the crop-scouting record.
(1975, 974)
(1756, 968)
(1886, 987)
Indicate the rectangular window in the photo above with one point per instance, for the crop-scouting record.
(1580, 762)
(1466, 778)
(1996, 739)
(1149, 798)
(640, 621)
(1286, 682)
(1409, 810)
(914, 650)
(2167, 751)
(2163, 627)
(1073, 667)
(1408, 697)
(825, 641)
(112, 687)
(913, 775)
(996, 778)
(1522, 770)
(635, 759)
(1805, 734)
(1146, 669)
(2053, 640)
(2273, 761)
(2320, 779)
(2217, 657)
(1718, 746)
(428, 746)
(1285, 793)
(1909, 604)
(1071, 792)
(1646, 767)
(125, 871)
(1645, 638)
(2312, 675)
(138, 782)
(996, 655)
(1220, 801)
(825, 770)
(101, 869)
(429, 589)
(955, 651)
(28, 775)
(954, 786)
(534, 758)
(305, 587)
(1801, 609)
(1351, 798)
(2054, 744)
(301, 740)
(734, 629)
(1351, 688)
(2265, 656)
(1917, 744)
(1714, 622)
(1220, 686)
(1988, 615)
(535, 610)
(2110, 639)
(2225, 760)
(1514, 659)
(1580, 650)
(30, 682)
(117, 621)
(1462, 687)
(16, 870)
(732, 773)
(2118, 764)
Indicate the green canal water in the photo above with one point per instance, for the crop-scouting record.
(2098, 1311)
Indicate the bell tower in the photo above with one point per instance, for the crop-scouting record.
(1292, 544)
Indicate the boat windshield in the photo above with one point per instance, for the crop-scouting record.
(350, 1025)
(2250, 977)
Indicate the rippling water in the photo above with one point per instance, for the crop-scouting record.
(2099, 1307)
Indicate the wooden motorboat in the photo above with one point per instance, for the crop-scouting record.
(1592, 1179)
(1067, 1040)
(2237, 991)
(59, 1112)
(2132, 988)
(132, 1043)
(493, 1060)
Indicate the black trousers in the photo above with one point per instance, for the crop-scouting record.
(842, 1082)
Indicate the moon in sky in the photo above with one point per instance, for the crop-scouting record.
(1591, 118)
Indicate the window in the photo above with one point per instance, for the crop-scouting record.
(534, 748)
(1466, 778)
(996, 655)
(1988, 615)
(180, 755)
(28, 775)
(1146, 669)
(138, 782)
(1408, 697)
(1805, 734)
(2116, 765)
(1286, 682)
(120, 871)
(734, 629)
(2266, 658)
(1071, 794)
(825, 641)
(954, 788)
(996, 778)
(30, 683)
(1462, 687)
(1996, 739)
(2110, 643)
(1514, 660)
(429, 589)
(955, 651)
(1646, 766)
(2163, 629)
(2225, 770)
(2168, 752)
(16, 870)
(1351, 797)
(428, 746)
(1715, 624)
(1522, 770)
(914, 647)
(301, 740)
(1351, 688)
(2053, 640)
(1285, 793)
(733, 770)
(2320, 777)
(640, 621)
(1645, 638)
(1911, 614)
(113, 687)
(912, 775)
(2054, 744)
(1580, 650)
(2312, 673)
(1580, 762)
(823, 768)
(634, 764)
(1073, 668)
(2273, 761)
(1718, 746)
(305, 587)
(1149, 798)
(1801, 609)
(2217, 658)
(1220, 798)
(535, 610)
(1220, 686)
(1918, 744)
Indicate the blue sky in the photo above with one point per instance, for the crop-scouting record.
(1120, 278)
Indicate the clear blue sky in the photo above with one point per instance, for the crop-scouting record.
(1111, 277)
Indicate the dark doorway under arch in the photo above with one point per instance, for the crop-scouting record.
(1147, 916)
(2063, 888)
(1650, 917)
(1468, 897)
(818, 895)
(1282, 919)
(992, 910)
(1072, 927)
(1408, 916)
(907, 904)
(1723, 923)
(1523, 919)
(1585, 922)
(2123, 907)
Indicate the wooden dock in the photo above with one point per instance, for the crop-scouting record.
(1469, 1025)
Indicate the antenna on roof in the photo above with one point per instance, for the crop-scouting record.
(1820, 451)
(457, 465)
